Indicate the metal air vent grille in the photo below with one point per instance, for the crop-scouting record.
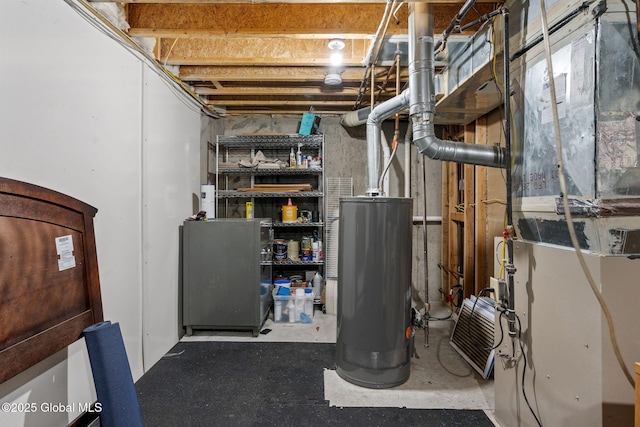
(472, 335)
(336, 188)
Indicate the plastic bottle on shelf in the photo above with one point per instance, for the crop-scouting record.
(299, 303)
(308, 307)
(317, 285)
(291, 308)
(292, 159)
(277, 311)
(298, 156)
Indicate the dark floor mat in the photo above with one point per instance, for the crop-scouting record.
(263, 384)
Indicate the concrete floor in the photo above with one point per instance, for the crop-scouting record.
(440, 377)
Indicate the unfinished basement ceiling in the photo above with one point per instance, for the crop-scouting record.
(263, 58)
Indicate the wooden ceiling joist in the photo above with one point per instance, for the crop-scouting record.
(282, 74)
(269, 102)
(271, 57)
(280, 19)
(274, 1)
(292, 18)
(261, 91)
(212, 34)
(288, 52)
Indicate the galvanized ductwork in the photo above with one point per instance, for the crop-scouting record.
(422, 102)
(420, 98)
(379, 114)
(356, 118)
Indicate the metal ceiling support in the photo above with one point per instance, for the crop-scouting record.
(422, 103)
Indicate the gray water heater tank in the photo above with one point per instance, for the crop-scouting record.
(374, 340)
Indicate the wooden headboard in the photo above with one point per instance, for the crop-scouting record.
(49, 283)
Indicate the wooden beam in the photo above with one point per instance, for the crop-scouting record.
(446, 219)
(288, 112)
(283, 18)
(481, 196)
(262, 51)
(221, 35)
(448, 2)
(453, 260)
(496, 189)
(262, 62)
(261, 91)
(265, 18)
(286, 102)
(468, 262)
(271, 73)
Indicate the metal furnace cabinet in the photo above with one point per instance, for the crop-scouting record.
(225, 283)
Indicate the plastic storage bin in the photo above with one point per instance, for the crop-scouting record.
(293, 308)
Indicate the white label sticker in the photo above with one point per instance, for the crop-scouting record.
(561, 91)
(64, 248)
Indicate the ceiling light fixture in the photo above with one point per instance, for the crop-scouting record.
(335, 57)
(333, 78)
(336, 44)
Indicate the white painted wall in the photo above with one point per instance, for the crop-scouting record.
(81, 115)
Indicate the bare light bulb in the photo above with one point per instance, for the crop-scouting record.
(335, 59)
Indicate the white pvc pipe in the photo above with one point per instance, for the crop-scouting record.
(420, 219)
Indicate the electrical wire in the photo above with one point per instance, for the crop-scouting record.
(395, 11)
(503, 259)
(501, 87)
(169, 53)
(565, 200)
(450, 316)
(475, 343)
(524, 371)
(394, 145)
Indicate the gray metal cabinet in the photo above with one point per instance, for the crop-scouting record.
(225, 284)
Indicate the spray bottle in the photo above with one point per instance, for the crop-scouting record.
(298, 156)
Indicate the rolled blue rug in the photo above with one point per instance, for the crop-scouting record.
(112, 376)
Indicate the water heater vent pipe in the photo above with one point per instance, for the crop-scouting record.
(422, 103)
(374, 130)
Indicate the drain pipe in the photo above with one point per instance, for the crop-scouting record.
(422, 102)
(374, 130)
